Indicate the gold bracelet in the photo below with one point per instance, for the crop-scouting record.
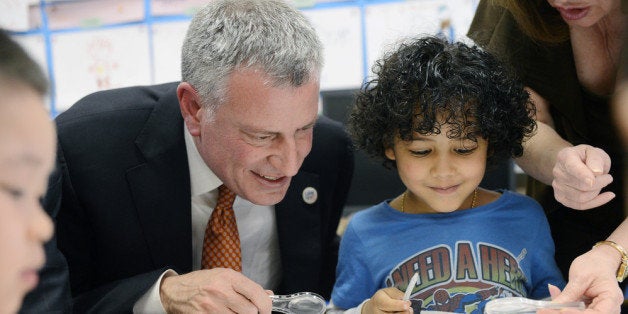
(622, 271)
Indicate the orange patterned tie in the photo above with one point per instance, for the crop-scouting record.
(221, 247)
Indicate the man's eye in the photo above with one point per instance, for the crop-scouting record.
(261, 137)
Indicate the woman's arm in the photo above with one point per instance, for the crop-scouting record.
(577, 173)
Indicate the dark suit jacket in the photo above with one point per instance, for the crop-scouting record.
(125, 212)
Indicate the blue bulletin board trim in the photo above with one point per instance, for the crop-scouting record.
(48, 52)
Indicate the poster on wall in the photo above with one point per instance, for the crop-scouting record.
(100, 59)
(388, 24)
(340, 32)
(176, 7)
(88, 14)
(167, 42)
(14, 15)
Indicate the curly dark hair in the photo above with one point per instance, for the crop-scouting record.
(428, 82)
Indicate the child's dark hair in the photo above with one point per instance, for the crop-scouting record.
(429, 82)
(17, 65)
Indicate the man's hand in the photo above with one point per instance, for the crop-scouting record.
(218, 290)
(580, 173)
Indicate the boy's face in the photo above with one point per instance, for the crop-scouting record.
(440, 173)
(27, 152)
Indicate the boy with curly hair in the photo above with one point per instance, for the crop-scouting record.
(440, 113)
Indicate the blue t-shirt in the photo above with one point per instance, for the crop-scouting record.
(464, 258)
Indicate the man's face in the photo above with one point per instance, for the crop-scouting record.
(258, 138)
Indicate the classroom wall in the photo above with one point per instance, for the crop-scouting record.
(91, 45)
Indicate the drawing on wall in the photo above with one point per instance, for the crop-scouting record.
(101, 63)
(100, 59)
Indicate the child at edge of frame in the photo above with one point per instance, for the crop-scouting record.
(440, 113)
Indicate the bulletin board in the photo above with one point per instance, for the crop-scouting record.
(90, 45)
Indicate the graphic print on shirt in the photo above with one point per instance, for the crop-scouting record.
(460, 280)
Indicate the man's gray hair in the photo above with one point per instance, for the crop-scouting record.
(269, 35)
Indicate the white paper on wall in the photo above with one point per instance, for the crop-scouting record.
(70, 14)
(462, 12)
(340, 32)
(176, 7)
(389, 23)
(14, 15)
(167, 42)
(88, 61)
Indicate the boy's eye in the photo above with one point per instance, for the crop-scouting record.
(420, 152)
(465, 151)
(13, 192)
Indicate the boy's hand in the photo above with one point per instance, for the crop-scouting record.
(387, 300)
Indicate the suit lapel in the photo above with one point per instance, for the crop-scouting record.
(161, 186)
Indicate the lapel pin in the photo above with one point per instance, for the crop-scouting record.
(310, 195)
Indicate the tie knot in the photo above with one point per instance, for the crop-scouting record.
(225, 196)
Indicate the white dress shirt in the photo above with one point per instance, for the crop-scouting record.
(256, 226)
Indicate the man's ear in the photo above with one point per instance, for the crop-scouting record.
(190, 105)
(390, 153)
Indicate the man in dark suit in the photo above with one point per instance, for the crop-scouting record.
(141, 166)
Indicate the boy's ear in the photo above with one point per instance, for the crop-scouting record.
(190, 105)
(390, 153)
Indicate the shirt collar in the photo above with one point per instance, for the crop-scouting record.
(202, 179)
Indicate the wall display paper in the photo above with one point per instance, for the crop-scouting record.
(94, 60)
(311, 3)
(340, 32)
(14, 15)
(167, 41)
(388, 24)
(461, 15)
(87, 14)
(176, 7)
